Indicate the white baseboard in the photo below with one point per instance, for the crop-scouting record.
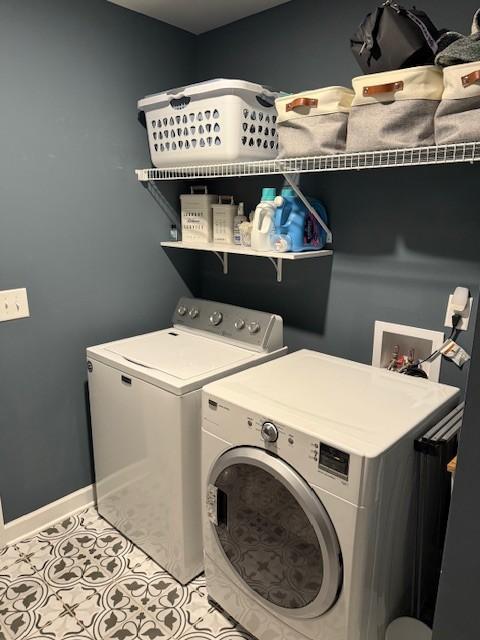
(32, 523)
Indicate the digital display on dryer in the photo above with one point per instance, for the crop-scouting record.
(334, 461)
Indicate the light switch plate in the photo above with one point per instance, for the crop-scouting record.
(13, 304)
(465, 319)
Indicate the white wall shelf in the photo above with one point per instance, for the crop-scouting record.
(222, 252)
(442, 154)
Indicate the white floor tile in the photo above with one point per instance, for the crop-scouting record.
(80, 579)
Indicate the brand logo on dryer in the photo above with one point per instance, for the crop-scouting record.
(213, 405)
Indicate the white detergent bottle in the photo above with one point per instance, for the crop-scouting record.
(263, 230)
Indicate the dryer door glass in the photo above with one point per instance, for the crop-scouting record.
(275, 532)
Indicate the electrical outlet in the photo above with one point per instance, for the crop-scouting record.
(13, 304)
(466, 313)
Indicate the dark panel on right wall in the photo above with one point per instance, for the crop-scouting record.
(457, 616)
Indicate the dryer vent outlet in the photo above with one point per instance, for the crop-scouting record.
(422, 342)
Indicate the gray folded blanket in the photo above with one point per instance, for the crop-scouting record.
(455, 48)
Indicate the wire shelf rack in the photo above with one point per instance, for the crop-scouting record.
(441, 154)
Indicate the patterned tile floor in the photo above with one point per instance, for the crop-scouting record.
(82, 580)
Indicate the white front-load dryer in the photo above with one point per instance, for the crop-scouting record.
(309, 492)
(145, 399)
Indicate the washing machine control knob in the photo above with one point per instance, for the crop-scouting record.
(239, 324)
(182, 310)
(269, 432)
(216, 318)
(253, 327)
(193, 313)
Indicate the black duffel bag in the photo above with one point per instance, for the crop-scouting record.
(393, 37)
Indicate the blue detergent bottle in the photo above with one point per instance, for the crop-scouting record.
(296, 229)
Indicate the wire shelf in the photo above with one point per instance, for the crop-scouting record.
(442, 154)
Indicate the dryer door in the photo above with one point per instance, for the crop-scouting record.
(273, 530)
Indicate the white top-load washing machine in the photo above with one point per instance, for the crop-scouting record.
(308, 470)
(145, 399)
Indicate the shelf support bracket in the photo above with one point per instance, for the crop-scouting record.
(293, 180)
(223, 257)
(278, 266)
(277, 263)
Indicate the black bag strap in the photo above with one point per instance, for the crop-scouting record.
(414, 16)
(430, 40)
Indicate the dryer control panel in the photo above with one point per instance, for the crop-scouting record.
(319, 461)
(255, 329)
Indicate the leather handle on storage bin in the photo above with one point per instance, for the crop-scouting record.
(391, 87)
(302, 102)
(470, 79)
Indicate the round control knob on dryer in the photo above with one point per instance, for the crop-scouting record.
(253, 327)
(269, 432)
(193, 313)
(216, 318)
(239, 324)
(181, 310)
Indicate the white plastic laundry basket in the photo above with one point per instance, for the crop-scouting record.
(211, 122)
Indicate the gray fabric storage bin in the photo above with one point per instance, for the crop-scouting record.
(313, 123)
(395, 109)
(458, 115)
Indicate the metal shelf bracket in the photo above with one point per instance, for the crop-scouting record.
(278, 266)
(293, 179)
(223, 257)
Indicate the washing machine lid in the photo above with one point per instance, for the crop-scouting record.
(174, 359)
(356, 407)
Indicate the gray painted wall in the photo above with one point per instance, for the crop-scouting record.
(396, 232)
(75, 227)
(82, 235)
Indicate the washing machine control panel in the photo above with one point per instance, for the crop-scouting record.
(215, 318)
(255, 329)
